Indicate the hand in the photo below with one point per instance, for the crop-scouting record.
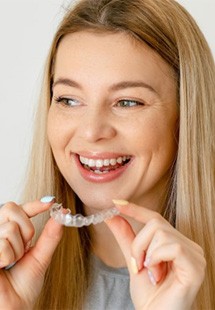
(166, 268)
(21, 285)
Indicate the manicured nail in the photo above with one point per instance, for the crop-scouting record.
(120, 202)
(47, 199)
(28, 245)
(10, 266)
(134, 267)
(146, 262)
(151, 277)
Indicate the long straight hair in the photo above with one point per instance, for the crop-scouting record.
(168, 29)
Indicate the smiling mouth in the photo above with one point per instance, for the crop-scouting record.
(104, 166)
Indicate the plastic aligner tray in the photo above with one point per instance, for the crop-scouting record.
(64, 216)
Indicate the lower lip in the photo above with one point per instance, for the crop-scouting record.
(101, 178)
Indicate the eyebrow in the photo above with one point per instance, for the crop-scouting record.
(114, 87)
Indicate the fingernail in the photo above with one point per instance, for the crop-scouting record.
(146, 262)
(120, 202)
(28, 245)
(134, 267)
(47, 199)
(151, 277)
(10, 266)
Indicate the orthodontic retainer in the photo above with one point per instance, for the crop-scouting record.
(64, 216)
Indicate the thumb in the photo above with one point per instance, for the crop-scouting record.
(124, 235)
(39, 257)
(47, 243)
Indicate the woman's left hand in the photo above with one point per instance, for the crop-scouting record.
(166, 268)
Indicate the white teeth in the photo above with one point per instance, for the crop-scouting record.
(119, 160)
(106, 162)
(83, 160)
(98, 163)
(113, 162)
(98, 171)
(91, 163)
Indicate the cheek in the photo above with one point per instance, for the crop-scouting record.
(166, 142)
(154, 137)
(52, 129)
(57, 131)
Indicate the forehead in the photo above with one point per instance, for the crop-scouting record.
(117, 55)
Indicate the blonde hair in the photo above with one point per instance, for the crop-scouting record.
(169, 30)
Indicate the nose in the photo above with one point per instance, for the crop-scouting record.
(96, 125)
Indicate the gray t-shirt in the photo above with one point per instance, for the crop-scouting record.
(109, 289)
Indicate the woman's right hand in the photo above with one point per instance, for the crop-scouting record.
(21, 285)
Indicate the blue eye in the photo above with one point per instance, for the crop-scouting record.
(69, 102)
(126, 103)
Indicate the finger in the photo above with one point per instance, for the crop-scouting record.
(173, 252)
(138, 213)
(14, 213)
(20, 214)
(30, 208)
(124, 235)
(155, 224)
(157, 273)
(39, 257)
(37, 207)
(10, 232)
(154, 233)
(150, 236)
(6, 253)
(185, 264)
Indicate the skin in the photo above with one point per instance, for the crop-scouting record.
(98, 124)
(21, 285)
(166, 268)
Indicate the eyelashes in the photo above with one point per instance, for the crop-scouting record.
(128, 103)
(122, 103)
(68, 102)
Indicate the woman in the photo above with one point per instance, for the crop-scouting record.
(126, 114)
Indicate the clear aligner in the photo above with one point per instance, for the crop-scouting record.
(64, 216)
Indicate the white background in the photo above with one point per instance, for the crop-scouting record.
(26, 31)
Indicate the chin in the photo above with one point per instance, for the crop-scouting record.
(96, 202)
(98, 196)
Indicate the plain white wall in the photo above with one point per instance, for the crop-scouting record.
(26, 30)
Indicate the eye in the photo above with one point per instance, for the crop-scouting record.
(69, 102)
(128, 103)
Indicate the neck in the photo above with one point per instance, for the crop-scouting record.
(105, 243)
